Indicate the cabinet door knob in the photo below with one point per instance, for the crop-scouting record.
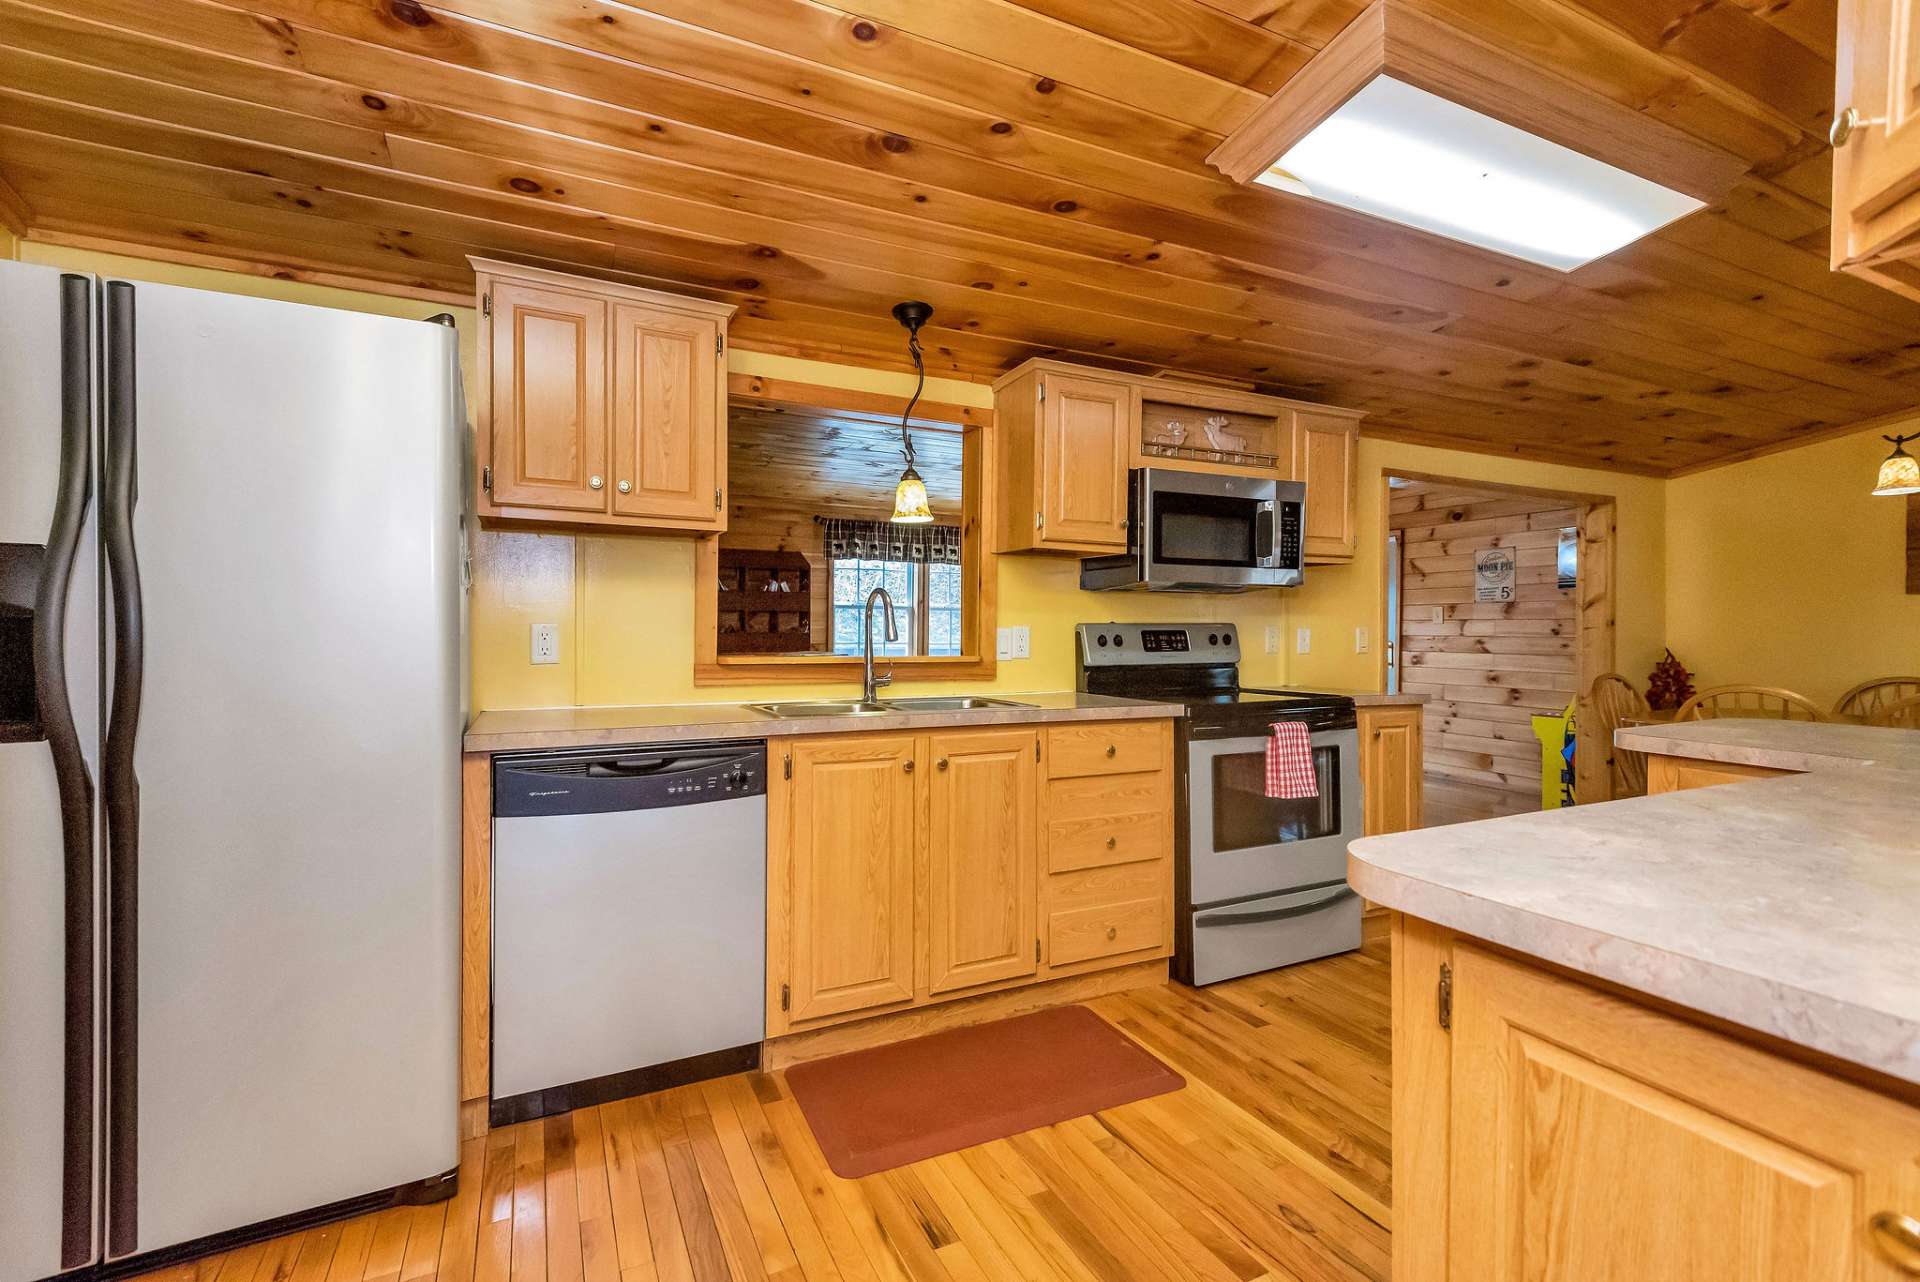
(594, 482)
(1112, 842)
(1898, 1238)
(1849, 122)
(625, 487)
(1113, 932)
(942, 763)
(1111, 750)
(907, 766)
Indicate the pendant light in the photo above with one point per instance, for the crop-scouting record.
(910, 495)
(1900, 474)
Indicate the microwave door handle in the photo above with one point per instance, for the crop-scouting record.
(1264, 534)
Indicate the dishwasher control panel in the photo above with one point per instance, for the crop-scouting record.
(650, 777)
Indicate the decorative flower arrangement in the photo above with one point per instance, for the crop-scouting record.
(1669, 684)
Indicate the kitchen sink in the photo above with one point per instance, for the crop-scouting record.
(856, 708)
(823, 708)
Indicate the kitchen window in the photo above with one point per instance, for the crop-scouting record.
(926, 606)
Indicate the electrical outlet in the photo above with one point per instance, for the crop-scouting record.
(546, 643)
(1302, 640)
(1014, 643)
(1359, 640)
(1273, 638)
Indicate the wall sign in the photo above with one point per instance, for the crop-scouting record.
(1493, 575)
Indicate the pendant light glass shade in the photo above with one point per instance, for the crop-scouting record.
(910, 500)
(1900, 474)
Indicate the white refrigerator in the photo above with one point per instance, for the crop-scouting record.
(232, 605)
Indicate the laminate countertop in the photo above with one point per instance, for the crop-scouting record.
(1786, 905)
(520, 730)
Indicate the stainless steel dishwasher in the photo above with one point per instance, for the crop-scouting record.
(629, 921)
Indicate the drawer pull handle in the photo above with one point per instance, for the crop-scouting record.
(1111, 750)
(1113, 932)
(1112, 842)
(1898, 1238)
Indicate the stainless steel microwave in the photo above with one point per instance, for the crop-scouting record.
(1200, 532)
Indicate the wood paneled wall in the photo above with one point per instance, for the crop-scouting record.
(755, 522)
(1486, 667)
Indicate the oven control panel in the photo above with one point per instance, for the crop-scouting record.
(1118, 645)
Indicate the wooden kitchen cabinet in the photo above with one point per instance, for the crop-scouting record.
(907, 870)
(982, 874)
(1066, 440)
(1325, 441)
(1676, 774)
(1069, 436)
(1558, 1131)
(603, 406)
(1391, 747)
(841, 868)
(1876, 157)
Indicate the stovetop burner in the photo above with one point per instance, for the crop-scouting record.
(1197, 664)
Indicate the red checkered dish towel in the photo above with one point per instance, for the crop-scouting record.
(1290, 773)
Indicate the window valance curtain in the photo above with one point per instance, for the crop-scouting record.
(885, 541)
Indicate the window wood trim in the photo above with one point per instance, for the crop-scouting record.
(979, 556)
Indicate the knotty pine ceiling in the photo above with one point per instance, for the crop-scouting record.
(1034, 168)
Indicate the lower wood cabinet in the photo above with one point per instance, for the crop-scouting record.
(983, 889)
(906, 869)
(1391, 746)
(1561, 1132)
(1676, 774)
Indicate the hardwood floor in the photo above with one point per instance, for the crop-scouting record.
(1271, 1163)
(1448, 801)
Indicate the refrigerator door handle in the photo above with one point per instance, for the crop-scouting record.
(72, 779)
(120, 786)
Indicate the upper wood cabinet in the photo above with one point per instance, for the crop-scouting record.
(1324, 444)
(604, 406)
(983, 840)
(1066, 440)
(1069, 435)
(1876, 135)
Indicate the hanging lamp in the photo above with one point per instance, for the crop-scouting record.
(1900, 473)
(910, 505)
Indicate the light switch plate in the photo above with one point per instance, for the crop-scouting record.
(546, 643)
(1359, 640)
(1014, 643)
(1302, 640)
(1273, 638)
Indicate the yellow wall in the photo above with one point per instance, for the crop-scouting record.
(1780, 570)
(1786, 571)
(1335, 600)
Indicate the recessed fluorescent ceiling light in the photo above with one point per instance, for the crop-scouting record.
(1404, 154)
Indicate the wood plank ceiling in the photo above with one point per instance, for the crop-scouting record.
(1034, 168)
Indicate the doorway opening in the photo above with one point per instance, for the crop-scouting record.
(1498, 606)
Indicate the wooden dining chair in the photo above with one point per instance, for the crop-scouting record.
(1749, 701)
(1610, 703)
(1903, 714)
(1869, 697)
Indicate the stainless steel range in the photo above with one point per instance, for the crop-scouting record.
(1259, 882)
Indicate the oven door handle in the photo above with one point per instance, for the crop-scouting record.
(1274, 914)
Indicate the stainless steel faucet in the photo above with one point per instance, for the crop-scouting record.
(870, 691)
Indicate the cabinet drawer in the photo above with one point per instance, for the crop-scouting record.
(1105, 930)
(1105, 840)
(1106, 748)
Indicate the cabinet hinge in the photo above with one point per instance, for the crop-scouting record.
(1042, 384)
(786, 997)
(1036, 750)
(1039, 520)
(786, 769)
(716, 500)
(486, 304)
(1036, 952)
(719, 344)
(486, 479)
(1446, 996)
